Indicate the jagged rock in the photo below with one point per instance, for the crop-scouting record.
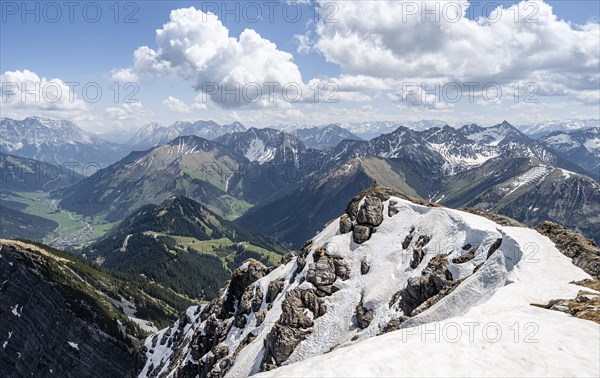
(300, 264)
(361, 234)
(435, 277)
(394, 324)
(583, 252)
(321, 273)
(586, 305)
(280, 344)
(260, 316)
(364, 317)
(274, 289)
(287, 258)
(494, 247)
(293, 306)
(467, 247)
(422, 241)
(240, 280)
(345, 224)
(341, 270)
(466, 257)
(257, 300)
(364, 267)
(292, 327)
(408, 238)
(371, 212)
(418, 256)
(383, 194)
(392, 210)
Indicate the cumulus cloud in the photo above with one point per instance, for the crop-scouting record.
(176, 105)
(25, 93)
(436, 41)
(124, 75)
(126, 115)
(197, 46)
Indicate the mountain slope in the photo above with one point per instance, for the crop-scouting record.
(277, 162)
(153, 134)
(582, 147)
(390, 264)
(324, 137)
(190, 166)
(296, 216)
(16, 224)
(20, 174)
(56, 141)
(62, 316)
(177, 239)
(529, 191)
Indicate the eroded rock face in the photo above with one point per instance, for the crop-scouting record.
(274, 289)
(435, 279)
(293, 326)
(240, 280)
(371, 212)
(38, 320)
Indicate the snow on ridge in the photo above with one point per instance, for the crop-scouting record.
(526, 268)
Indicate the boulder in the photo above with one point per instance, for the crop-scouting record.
(321, 273)
(392, 210)
(364, 317)
(345, 224)
(371, 212)
(364, 267)
(361, 234)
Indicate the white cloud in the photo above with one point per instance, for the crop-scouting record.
(128, 115)
(124, 75)
(388, 39)
(197, 47)
(175, 105)
(25, 93)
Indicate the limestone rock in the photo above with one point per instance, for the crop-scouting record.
(361, 234)
(371, 212)
(345, 224)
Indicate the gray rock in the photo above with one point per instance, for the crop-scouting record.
(361, 234)
(392, 210)
(345, 224)
(371, 212)
(418, 256)
(321, 273)
(274, 289)
(364, 267)
(364, 317)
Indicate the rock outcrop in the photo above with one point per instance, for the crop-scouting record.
(583, 251)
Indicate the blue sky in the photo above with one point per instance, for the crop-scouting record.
(84, 52)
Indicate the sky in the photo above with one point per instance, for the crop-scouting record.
(114, 66)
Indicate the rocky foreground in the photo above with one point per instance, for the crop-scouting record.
(407, 269)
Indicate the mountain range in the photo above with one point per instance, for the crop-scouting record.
(579, 146)
(496, 168)
(57, 142)
(153, 134)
